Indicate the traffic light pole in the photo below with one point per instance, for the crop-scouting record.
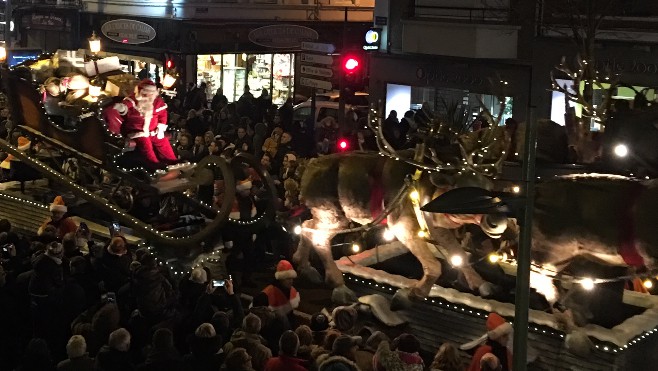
(341, 81)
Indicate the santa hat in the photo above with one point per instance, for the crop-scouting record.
(58, 205)
(497, 327)
(147, 85)
(243, 185)
(23, 144)
(284, 270)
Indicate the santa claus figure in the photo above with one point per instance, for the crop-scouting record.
(142, 117)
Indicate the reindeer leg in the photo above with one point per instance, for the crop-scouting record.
(405, 230)
(301, 257)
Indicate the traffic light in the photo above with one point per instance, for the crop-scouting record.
(343, 145)
(169, 64)
(353, 66)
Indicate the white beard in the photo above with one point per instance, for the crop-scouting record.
(144, 105)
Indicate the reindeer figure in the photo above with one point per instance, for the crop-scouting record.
(367, 187)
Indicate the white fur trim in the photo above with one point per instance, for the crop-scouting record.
(121, 108)
(294, 302)
(474, 344)
(244, 186)
(60, 208)
(282, 275)
(24, 147)
(148, 88)
(498, 332)
(148, 116)
(161, 108)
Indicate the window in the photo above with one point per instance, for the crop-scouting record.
(301, 114)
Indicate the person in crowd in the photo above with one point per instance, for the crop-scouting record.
(282, 150)
(499, 332)
(184, 148)
(219, 100)
(281, 295)
(490, 362)
(78, 358)
(272, 323)
(59, 219)
(365, 355)
(344, 319)
(37, 357)
(113, 266)
(243, 142)
(115, 356)
(266, 162)
(342, 356)
(218, 298)
(405, 352)
(205, 346)
(447, 359)
(238, 360)
(248, 338)
(270, 145)
(46, 291)
(286, 113)
(199, 149)
(319, 326)
(191, 288)
(154, 293)
(162, 355)
(142, 117)
(306, 346)
(391, 130)
(260, 134)
(287, 359)
(194, 124)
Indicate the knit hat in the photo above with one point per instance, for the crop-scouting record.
(147, 85)
(199, 275)
(76, 347)
(58, 205)
(23, 144)
(344, 343)
(319, 322)
(344, 318)
(497, 327)
(284, 270)
(408, 343)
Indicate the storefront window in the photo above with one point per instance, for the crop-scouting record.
(283, 76)
(441, 101)
(234, 72)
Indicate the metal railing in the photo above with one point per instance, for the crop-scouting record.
(469, 14)
(65, 3)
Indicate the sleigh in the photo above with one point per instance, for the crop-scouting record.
(102, 169)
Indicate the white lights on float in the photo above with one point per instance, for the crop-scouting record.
(587, 283)
(414, 195)
(356, 248)
(621, 150)
(422, 233)
(494, 258)
(456, 260)
(647, 283)
(516, 189)
(297, 230)
(388, 235)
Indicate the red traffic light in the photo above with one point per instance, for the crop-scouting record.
(343, 145)
(351, 64)
(169, 64)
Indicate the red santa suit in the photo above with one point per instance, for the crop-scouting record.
(145, 128)
(489, 343)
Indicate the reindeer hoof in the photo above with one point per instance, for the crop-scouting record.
(343, 295)
(578, 343)
(401, 299)
(486, 289)
(310, 274)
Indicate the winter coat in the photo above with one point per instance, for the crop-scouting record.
(285, 363)
(204, 355)
(327, 362)
(84, 363)
(152, 290)
(64, 226)
(386, 359)
(162, 361)
(109, 359)
(272, 325)
(364, 359)
(48, 276)
(114, 270)
(254, 344)
(280, 302)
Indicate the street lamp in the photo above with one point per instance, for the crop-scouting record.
(94, 43)
(3, 53)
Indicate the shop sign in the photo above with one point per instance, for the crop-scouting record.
(314, 83)
(128, 31)
(319, 47)
(434, 75)
(372, 39)
(47, 22)
(317, 71)
(282, 36)
(317, 59)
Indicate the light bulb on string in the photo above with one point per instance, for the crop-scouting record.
(297, 229)
(587, 283)
(456, 260)
(422, 233)
(388, 234)
(648, 283)
(494, 258)
(414, 195)
(356, 247)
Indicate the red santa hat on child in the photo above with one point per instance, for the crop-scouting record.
(243, 185)
(58, 205)
(497, 327)
(147, 85)
(284, 270)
